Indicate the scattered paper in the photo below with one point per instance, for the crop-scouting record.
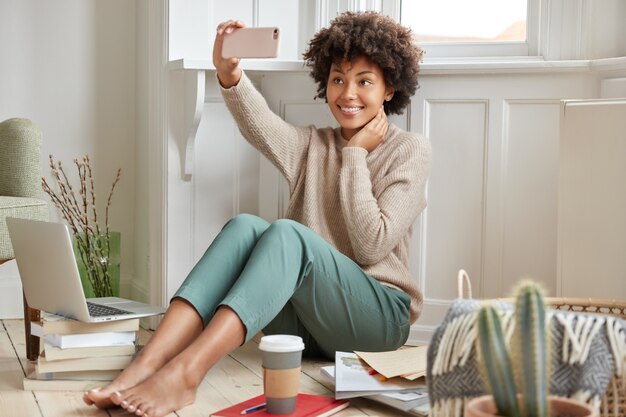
(352, 379)
(409, 363)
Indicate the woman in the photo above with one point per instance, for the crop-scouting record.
(335, 270)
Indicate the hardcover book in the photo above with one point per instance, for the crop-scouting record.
(54, 353)
(53, 324)
(83, 364)
(307, 405)
(109, 375)
(83, 340)
(31, 383)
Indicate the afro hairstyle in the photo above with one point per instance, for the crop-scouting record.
(384, 41)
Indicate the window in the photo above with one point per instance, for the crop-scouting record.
(458, 28)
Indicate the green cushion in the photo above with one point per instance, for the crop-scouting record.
(23, 207)
(20, 148)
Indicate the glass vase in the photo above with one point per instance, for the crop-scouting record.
(98, 263)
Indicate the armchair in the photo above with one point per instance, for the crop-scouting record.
(20, 194)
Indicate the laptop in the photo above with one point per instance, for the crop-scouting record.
(50, 278)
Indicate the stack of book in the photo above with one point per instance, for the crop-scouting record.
(393, 378)
(78, 356)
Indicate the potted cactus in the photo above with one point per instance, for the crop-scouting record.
(518, 378)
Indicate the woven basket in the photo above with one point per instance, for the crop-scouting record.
(614, 401)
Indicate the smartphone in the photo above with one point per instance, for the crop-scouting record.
(251, 43)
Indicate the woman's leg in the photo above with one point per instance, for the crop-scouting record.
(174, 385)
(221, 265)
(338, 307)
(179, 327)
(192, 306)
(289, 263)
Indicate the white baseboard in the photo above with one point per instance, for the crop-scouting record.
(139, 292)
(420, 335)
(11, 306)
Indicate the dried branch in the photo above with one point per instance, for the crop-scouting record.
(93, 246)
(117, 178)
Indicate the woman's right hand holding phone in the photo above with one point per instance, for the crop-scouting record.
(228, 71)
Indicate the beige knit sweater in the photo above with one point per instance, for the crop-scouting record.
(364, 204)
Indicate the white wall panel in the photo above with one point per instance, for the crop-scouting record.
(455, 220)
(529, 192)
(225, 180)
(179, 203)
(592, 199)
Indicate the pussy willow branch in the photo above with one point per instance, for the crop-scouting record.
(117, 178)
(87, 163)
(83, 191)
(83, 241)
(69, 196)
(93, 247)
(65, 210)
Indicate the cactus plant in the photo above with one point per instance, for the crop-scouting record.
(523, 369)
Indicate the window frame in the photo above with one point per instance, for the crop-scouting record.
(508, 49)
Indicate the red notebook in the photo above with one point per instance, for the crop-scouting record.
(307, 405)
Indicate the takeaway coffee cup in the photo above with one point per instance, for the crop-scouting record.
(281, 355)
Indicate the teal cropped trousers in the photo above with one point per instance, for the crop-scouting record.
(283, 278)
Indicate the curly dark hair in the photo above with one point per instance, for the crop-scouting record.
(387, 43)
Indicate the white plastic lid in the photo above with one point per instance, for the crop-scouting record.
(281, 343)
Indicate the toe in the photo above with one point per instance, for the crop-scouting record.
(117, 398)
(90, 395)
(86, 399)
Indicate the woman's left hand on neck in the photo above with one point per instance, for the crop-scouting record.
(372, 134)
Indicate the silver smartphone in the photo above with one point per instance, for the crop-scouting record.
(258, 42)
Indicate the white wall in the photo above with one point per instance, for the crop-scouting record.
(69, 65)
(493, 188)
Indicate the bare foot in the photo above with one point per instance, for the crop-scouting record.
(169, 389)
(137, 372)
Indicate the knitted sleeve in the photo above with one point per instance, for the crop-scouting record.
(283, 144)
(379, 215)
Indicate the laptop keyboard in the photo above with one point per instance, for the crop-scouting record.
(98, 310)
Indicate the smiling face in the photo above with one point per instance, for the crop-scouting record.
(355, 92)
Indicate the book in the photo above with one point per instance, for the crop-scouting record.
(83, 364)
(353, 379)
(54, 353)
(307, 405)
(31, 383)
(83, 340)
(415, 401)
(54, 324)
(109, 375)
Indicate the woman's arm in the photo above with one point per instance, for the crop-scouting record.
(282, 143)
(379, 215)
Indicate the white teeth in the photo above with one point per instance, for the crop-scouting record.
(350, 109)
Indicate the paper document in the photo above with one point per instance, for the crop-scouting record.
(353, 379)
(409, 363)
(414, 401)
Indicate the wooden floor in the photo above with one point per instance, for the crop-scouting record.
(234, 379)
